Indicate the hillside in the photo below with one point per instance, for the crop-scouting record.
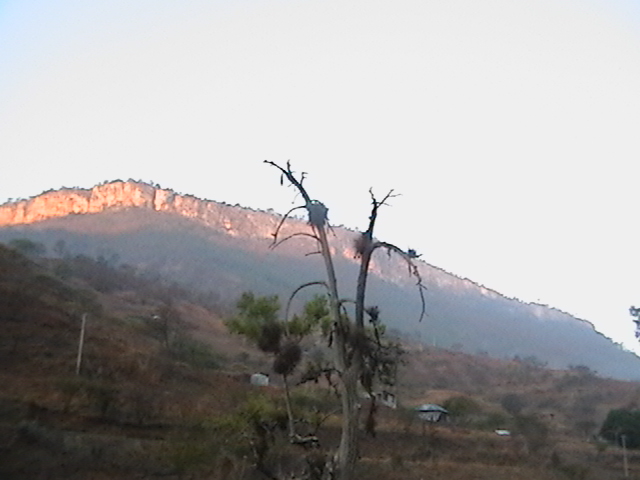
(172, 400)
(223, 250)
(135, 396)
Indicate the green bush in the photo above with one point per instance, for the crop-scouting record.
(622, 422)
(195, 353)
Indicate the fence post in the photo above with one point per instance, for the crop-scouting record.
(81, 343)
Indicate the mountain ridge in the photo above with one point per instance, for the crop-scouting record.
(459, 304)
(120, 194)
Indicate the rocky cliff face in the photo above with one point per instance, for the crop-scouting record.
(76, 201)
(122, 195)
(230, 220)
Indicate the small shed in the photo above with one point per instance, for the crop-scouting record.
(430, 412)
(260, 379)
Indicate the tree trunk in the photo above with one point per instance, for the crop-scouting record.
(287, 399)
(348, 450)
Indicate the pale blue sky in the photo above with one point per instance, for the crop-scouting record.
(510, 128)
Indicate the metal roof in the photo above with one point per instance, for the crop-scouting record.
(431, 407)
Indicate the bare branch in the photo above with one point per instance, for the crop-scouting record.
(316, 210)
(364, 249)
(298, 234)
(413, 270)
(341, 303)
(325, 418)
(375, 206)
(389, 195)
(292, 179)
(295, 292)
(284, 218)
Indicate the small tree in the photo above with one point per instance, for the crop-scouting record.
(258, 320)
(621, 422)
(359, 353)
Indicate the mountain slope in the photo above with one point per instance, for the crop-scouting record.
(145, 407)
(226, 249)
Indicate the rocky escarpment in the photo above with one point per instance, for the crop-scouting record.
(234, 221)
(122, 195)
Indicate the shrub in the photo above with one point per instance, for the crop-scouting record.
(462, 406)
(622, 422)
(195, 353)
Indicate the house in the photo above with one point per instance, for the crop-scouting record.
(384, 397)
(430, 412)
(260, 379)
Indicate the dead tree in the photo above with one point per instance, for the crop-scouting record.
(350, 342)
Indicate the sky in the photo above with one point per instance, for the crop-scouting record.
(510, 129)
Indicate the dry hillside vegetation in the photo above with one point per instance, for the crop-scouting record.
(168, 396)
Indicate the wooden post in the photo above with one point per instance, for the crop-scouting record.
(625, 463)
(81, 343)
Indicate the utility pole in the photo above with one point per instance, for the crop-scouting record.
(625, 463)
(81, 343)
